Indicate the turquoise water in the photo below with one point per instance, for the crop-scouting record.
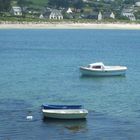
(42, 66)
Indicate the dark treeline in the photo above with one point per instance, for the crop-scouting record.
(77, 4)
(5, 5)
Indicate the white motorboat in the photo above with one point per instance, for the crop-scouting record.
(99, 69)
(65, 113)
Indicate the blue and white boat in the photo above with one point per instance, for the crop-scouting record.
(64, 111)
(99, 69)
(47, 106)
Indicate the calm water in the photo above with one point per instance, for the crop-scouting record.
(42, 66)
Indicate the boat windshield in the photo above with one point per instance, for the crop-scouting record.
(96, 67)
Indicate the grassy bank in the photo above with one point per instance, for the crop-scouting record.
(37, 20)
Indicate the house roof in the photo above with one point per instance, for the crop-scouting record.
(16, 8)
(69, 10)
(55, 12)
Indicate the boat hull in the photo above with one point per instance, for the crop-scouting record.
(65, 114)
(89, 72)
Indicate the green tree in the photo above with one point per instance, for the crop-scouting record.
(5, 5)
(58, 3)
(23, 4)
(78, 4)
(117, 5)
(129, 1)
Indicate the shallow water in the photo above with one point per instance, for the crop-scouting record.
(42, 66)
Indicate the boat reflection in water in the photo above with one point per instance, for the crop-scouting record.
(71, 125)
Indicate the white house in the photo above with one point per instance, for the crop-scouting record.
(112, 15)
(137, 3)
(41, 16)
(56, 14)
(100, 16)
(16, 10)
(85, 0)
(129, 14)
(69, 11)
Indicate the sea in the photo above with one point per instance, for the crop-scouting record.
(40, 66)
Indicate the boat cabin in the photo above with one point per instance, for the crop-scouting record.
(99, 65)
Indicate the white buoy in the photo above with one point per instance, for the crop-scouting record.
(29, 117)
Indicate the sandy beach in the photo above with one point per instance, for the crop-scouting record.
(69, 26)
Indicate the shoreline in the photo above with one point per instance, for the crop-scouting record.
(35, 25)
